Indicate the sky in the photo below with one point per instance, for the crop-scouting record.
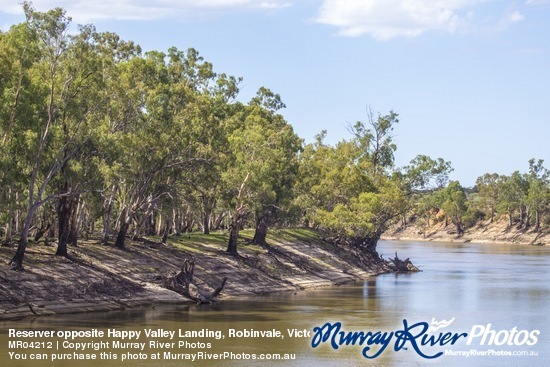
(470, 79)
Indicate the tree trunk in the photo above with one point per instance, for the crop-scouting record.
(176, 223)
(41, 231)
(537, 221)
(17, 215)
(207, 206)
(166, 231)
(17, 260)
(121, 238)
(75, 220)
(150, 225)
(8, 237)
(521, 216)
(159, 226)
(368, 244)
(67, 223)
(262, 224)
(9, 222)
(188, 222)
(527, 218)
(219, 219)
(107, 216)
(261, 232)
(234, 235)
(51, 231)
(142, 221)
(63, 215)
(206, 221)
(64, 207)
(459, 230)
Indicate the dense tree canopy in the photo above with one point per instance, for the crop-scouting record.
(100, 138)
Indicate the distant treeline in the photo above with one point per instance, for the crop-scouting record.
(522, 198)
(101, 139)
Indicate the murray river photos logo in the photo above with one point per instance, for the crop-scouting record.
(422, 337)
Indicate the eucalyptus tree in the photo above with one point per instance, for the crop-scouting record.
(425, 207)
(375, 138)
(311, 191)
(513, 192)
(488, 188)
(208, 112)
(331, 175)
(262, 145)
(19, 53)
(421, 177)
(454, 202)
(203, 101)
(152, 143)
(115, 114)
(538, 195)
(285, 145)
(81, 109)
(357, 195)
(426, 173)
(58, 80)
(363, 220)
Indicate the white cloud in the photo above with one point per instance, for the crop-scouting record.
(386, 19)
(514, 17)
(84, 11)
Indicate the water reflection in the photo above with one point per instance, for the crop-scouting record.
(476, 284)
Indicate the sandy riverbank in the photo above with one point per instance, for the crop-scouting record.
(102, 278)
(496, 232)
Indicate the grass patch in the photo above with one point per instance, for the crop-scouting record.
(294, 235)
(219, 239)
(215, 238)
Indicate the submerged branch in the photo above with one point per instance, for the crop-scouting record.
(184, 284)
(403, 266)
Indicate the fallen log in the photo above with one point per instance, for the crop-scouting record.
(405, 266)
(183, 284)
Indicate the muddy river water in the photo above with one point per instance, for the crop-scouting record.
(496, 298)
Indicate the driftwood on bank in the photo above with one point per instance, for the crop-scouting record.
(183, 284)
(402, 265)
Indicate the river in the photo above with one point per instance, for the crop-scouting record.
(472, 284)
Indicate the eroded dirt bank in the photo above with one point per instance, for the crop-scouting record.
(100, 277)
(496, 232)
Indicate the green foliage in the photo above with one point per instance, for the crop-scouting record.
(512, 192)
(349, 189)
(262, 160)
(427, 173)
(93, 129)
(365, 216)
(375, 140)
(488, 188)
(538, 194)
